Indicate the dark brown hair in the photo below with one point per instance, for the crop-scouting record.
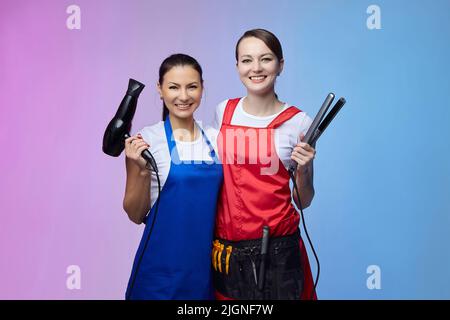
(265, 36)
(178, 59)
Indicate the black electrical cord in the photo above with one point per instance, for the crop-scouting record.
(291, 174)
(155, 169)
(315, 130)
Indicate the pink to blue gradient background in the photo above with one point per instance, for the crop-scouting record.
(382, 171)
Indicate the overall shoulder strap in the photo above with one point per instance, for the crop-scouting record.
(229, 110)
(171, 143)
(212, 152)
(283, 117)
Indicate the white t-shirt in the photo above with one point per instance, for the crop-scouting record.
(286, 135)
(155, 136)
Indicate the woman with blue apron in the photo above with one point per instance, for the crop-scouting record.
(175, 263)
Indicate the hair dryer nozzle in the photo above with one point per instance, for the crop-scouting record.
(135, 88)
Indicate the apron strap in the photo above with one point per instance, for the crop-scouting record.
(212, 152)
(283, 117)
(171, 143)
(229, 110)
(173, 152)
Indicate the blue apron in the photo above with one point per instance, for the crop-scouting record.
(176, 263)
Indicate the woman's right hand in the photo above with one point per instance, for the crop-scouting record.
(134, 146)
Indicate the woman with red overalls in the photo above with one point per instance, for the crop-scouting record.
(260, 137)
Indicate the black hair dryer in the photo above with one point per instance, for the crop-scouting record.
(119, 127)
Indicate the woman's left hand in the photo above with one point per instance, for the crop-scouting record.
(303, 154)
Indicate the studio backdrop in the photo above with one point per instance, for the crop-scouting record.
(380, 218)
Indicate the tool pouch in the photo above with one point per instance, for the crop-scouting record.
(284, 276)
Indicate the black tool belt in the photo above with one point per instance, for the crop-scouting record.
(236, 266)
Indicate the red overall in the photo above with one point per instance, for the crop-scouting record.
(249, 199)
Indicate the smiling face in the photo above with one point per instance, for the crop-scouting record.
(258, 66)
(181, 90)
